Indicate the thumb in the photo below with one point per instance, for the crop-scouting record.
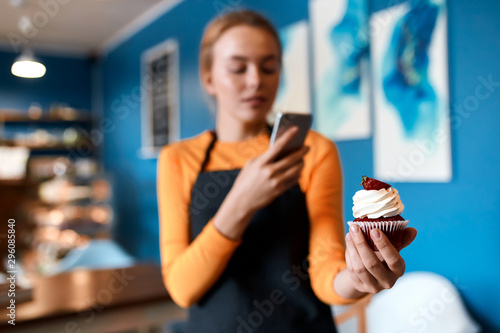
(408, 237)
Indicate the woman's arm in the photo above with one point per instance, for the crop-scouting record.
(260, 181)
(368, 271)
(324, 204)
(340, 276)
(188, 270)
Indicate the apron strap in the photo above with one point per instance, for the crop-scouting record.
(209, 149)
(212, 143)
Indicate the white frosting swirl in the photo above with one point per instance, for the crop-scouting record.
(374, 204)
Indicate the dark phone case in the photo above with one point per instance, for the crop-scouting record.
(287, 120)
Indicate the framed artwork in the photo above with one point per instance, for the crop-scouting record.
(293, 92)
(341, 87)
(410, 81)
(160, 118)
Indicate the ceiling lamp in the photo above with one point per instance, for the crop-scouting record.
(26, 65)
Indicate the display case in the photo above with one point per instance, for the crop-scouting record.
(52, 185)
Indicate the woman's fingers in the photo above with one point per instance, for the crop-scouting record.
(391, 256)
(286, 161)
(370, 260)
(358, 268)
(408, 237)
(354, 278)
(289, 184)
(273, 152)
(371, 271)
(292, 173)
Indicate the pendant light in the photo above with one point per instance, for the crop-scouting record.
(26, 65)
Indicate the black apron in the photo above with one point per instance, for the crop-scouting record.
(265, 286)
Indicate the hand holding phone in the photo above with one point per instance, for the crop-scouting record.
(262, 179)
(286, 120)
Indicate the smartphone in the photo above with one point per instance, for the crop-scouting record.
(285, 120)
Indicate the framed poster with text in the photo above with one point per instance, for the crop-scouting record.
(160, 119)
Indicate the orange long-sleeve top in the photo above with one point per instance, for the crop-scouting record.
(189, 269)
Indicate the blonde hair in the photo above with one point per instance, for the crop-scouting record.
(219, 25)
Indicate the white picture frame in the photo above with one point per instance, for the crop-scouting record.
(160, 109)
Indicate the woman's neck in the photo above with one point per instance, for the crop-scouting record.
(231, 130)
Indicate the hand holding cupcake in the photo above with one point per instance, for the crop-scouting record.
(373, 242)
(379, 206)
(376, 207)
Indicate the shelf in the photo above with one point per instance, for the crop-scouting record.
(51, 143)
(56, 147)
(23, 182)
(22, 118)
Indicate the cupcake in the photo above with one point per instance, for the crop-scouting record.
(379, 206)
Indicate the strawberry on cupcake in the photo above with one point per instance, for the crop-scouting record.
(379, 206)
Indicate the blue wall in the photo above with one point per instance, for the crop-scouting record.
(68, 80)
(457, 221)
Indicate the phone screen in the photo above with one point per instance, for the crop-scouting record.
(287, 120)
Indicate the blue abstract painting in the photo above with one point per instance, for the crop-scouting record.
(293, 93)
(410, 76)
(341, 73)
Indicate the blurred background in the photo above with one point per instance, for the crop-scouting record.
(78, 163)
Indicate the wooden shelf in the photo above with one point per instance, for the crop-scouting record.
(11, 116)
(22, 182)
(45, 119)
(56, 147)
(22, 118)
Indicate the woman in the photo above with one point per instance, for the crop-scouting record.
(250, 244)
